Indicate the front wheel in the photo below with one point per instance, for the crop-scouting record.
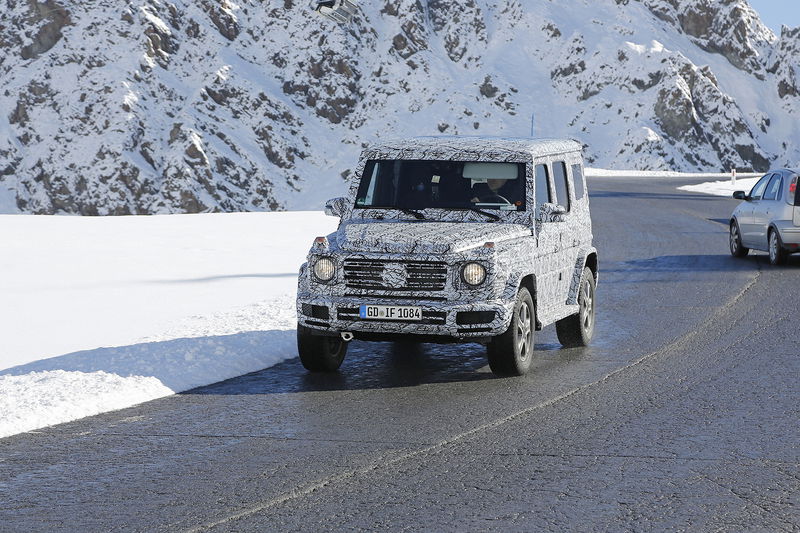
(777, 255)
(578, 329)
(510, 353)
(318, 353)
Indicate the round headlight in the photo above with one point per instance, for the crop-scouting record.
(473, 273)
(324, 269)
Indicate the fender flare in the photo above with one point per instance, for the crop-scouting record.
(528, 280)
(586, 256)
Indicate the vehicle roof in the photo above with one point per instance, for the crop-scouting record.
(467, 146)
(786, 170)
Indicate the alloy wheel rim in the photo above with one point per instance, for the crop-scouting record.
(587, 308)
(524, 331)
(773, 246)
(734, 239)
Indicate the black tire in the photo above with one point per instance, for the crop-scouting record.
(510, 353)
(735, 241)
(578, 329)
(319, 353)
(777, 254)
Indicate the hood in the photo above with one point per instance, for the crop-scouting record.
(423, 237)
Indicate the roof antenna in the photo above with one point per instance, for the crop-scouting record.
(533, 125)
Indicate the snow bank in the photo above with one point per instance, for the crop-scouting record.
(724, 187)
(606, 173)
(100, 313)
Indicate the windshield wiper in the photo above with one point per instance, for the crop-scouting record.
(494, 217)
(412, 212)
(416, 214)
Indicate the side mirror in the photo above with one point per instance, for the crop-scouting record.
(740, 195)
(335, 206)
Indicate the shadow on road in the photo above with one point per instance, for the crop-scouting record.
(368, 365)
(653, 195)
(229, 361)
(723, 221)
(687, 263)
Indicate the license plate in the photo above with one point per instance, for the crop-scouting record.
(390, 312)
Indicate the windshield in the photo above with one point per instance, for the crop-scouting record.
(419, 184)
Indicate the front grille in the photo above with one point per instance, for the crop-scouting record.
(395, 297)
(428, 317)
(377, 274)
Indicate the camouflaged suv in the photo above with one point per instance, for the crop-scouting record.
(454, 239)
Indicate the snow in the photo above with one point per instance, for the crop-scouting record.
(100, 313)
(602, 172)
(722, 188)
(8, 198)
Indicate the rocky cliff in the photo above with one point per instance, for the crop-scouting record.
(157, 106)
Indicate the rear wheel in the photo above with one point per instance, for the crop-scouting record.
(737, 250)
(578, 329)
(318, 353)
(510, 353)
(777, 255)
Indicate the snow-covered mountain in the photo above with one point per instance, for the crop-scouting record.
(157, 106)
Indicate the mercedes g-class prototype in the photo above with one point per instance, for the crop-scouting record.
(454, 239)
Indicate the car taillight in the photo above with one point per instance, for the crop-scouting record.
(793, 187)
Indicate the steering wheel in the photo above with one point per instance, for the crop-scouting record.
(494, 199)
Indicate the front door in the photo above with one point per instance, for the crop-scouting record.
(548, 242)
(745, 217)
(764, 210)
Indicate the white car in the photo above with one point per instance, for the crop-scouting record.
(769, 218)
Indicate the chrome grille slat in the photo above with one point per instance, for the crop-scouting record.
(367, 274)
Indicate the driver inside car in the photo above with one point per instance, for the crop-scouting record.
(493, 191)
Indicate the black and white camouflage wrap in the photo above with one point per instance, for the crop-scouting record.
(551, 248)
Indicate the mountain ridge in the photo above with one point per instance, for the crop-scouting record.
(211, 105)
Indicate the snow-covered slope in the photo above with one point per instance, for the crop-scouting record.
(99, 313)
(153, 106)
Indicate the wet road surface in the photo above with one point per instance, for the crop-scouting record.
(682, 414)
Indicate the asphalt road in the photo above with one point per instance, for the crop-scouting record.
(682, 415)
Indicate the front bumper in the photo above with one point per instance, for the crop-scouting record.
(332, 315)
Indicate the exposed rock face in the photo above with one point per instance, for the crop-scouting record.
(727, 27)
(156, 106)
(785, 65)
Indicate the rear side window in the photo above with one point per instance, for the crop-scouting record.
(577, 179)
(758, 190)
(560, 181)
(774, 188)
(542, 190)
